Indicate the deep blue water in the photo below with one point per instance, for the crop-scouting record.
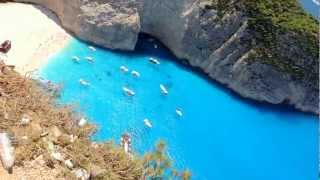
(220, 136)
(311, 7)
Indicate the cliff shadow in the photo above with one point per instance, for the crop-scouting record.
(145, 46)
(151, 47)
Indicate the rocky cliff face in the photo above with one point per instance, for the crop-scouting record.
(113, 25)
(221, 45)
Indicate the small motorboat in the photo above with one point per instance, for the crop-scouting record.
(83, 82)
(89, 58)
(126, 143)
(128, 91)
(164, 89)
(92, 48)
(147, 123)
(179, 112)
(154, 61)
(75, 59)
(155, 46)
(135, 73)
(124, 69)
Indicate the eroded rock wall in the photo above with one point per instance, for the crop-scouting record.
(217, 45)
(111, 24)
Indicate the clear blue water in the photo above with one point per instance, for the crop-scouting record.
(220, 136)
(311, 7)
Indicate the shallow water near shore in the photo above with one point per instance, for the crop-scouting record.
(220, 136)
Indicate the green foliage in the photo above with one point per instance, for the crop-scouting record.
(271, 20)
(286, 14)
(157, 165)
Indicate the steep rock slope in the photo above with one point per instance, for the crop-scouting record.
(234, 42)
(114, 24)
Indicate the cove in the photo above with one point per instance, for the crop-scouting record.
(220, 136)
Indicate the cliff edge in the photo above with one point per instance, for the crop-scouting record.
(263, 50)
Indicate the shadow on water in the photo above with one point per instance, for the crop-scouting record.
(145, 47)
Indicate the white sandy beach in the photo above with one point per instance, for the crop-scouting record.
(34, 34)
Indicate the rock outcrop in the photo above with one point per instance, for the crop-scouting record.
(220, 44)
(113, 25)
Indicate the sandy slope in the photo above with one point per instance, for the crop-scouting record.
(34, 32)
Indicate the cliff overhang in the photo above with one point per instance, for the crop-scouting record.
(263, 50)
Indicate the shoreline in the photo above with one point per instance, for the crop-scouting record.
(35, 34)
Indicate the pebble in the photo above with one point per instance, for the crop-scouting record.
(57, 156)
(69, 163)
(82, 122)
(73, 138)
(25, 120)
(81, 174)
(44, 134)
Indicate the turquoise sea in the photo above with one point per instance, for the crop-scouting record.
(220, 135)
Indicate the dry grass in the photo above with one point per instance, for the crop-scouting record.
(51, 127)
(54, 128)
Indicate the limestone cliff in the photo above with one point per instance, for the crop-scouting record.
(223, 38)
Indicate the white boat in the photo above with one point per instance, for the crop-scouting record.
(89, 58)
(147, 123)
(179, 112)
(163, 89)
(83, 82)
(154, 60)
(128, 91)
(76, 59)
(155, 46)
(92, 48)
(124, 69)
(135, 73)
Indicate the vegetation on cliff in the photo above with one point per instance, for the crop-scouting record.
(284, 35)
(49, 134)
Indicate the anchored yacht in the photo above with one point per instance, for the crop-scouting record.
(164, 89)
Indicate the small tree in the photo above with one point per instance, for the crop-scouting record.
(157, 165)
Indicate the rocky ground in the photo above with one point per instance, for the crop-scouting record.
(52, 141)
(49, 141)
